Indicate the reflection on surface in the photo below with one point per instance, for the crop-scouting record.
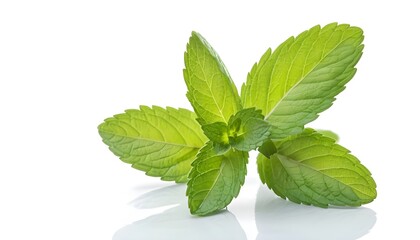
(176, 222)
(174, 194)
(280, 219)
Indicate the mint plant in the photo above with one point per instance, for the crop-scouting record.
(285, 90)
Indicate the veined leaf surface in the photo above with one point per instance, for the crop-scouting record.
(312, 169)
(301, 78)
(211, 90)
(161, 142)
(215, 179)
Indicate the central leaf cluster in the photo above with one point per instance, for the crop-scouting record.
(245, 131)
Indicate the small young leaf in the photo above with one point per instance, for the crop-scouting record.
(248, 130)
(244, 115)
(312, 169)
(211, 90)
(220, 149)
(161, 142)
(245, 131)
(216, 132)
(302, 76)
(215, 179)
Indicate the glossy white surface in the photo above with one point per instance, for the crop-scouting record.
(274, 218)
(67, 65)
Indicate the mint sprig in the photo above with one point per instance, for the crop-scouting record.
(285, 90)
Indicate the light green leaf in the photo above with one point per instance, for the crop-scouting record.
(245, 131)
(215, 179)
(329, 133)
(161, 142)
(216, 132)
(211, 90)
(268, 148)
(220, 149)
(312, 169)
(248, 130)
(301, 78)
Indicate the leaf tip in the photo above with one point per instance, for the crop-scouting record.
(196, 36)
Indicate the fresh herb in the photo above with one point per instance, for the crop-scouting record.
(285, 90)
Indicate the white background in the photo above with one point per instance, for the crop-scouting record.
(67, 65)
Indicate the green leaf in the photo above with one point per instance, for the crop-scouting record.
(216, 132)
(215, 179)
(329, 133)
(161, 142)
(248, 130)
(220, 149)
(312, 169)
(301, 78)
(211, 90)
(268, 148)
(245, 131)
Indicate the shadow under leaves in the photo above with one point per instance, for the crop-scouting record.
(177, 222)
(280, 219)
